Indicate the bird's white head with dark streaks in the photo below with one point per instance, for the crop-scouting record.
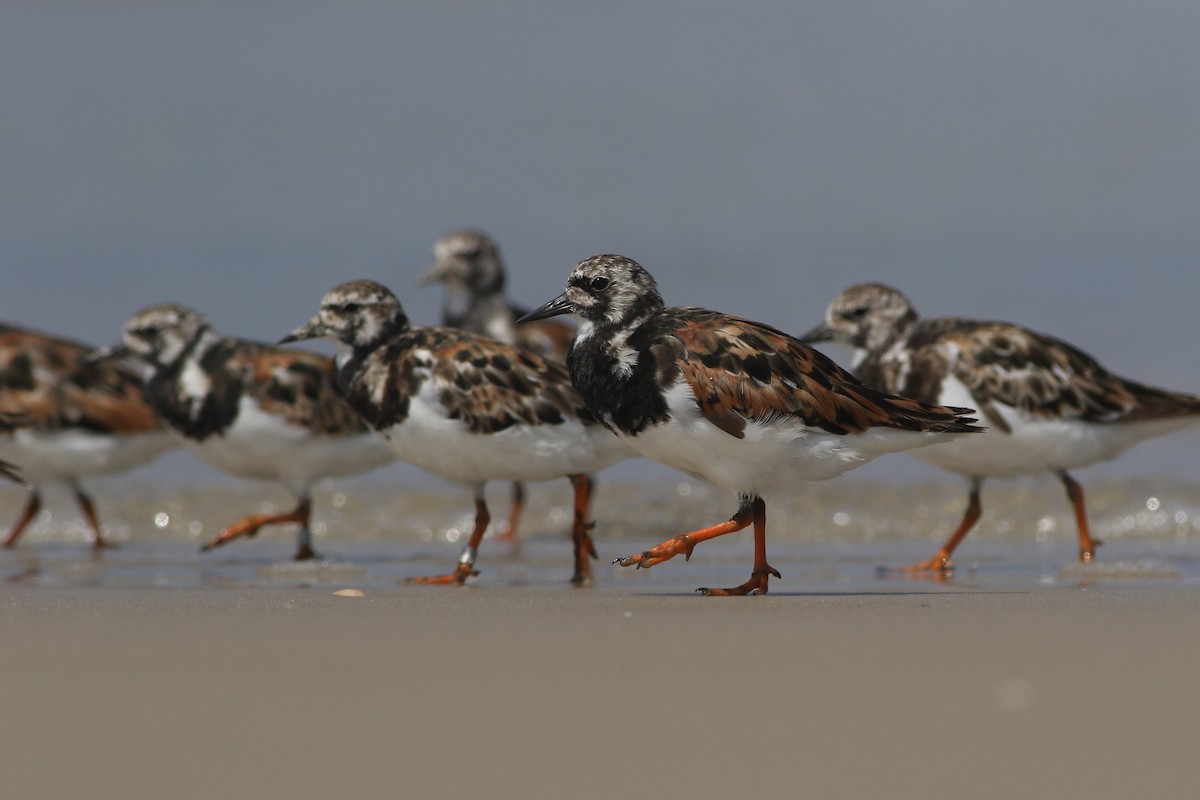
(467, 261)
(162, 334)
(865, 317)
(605, 291)
(610, 295)
(355, 316)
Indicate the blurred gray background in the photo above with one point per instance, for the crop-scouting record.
(1029, 161)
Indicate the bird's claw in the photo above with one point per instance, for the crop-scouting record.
(646, 559)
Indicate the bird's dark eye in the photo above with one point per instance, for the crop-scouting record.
(858, 312)
(351, 308)
(599, 283)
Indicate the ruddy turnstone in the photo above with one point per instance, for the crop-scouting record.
(463, 407)
(468, 263)
(253, 410)
(1049, 407)
(65, 416)
(726, 400)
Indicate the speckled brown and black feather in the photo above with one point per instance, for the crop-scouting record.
(291, 384)
(788, 378)
(48, 383)
(739, 371)
(488, 385)
(1038, 374)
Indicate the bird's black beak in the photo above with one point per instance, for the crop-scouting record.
(313, 329)
(116, 352)
(444, 269)
(821, 333)
(557, 306)
(11, 471)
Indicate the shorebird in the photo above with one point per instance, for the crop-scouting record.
(250, 409)
(463, 407)
(65, 416)
(1049, 406)
(467, 262)
(736, 403)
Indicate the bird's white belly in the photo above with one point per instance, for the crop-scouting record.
(447, 448)
(1035, 445)
(72, 453)
(771, 457)
(260, 445)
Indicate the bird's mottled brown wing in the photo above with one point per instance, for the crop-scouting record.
(744, 371)
(1042, 376)
(47, 383)
(296, 386)
(491, 386)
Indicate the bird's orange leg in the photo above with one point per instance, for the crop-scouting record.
(1087, 545)
(941, 561)
(762, 570)
(93, 519)
(466, 562)
(32, 507)
(684, 543)
(249, 526)
(585, 548)
(509, 533)
(750, 510)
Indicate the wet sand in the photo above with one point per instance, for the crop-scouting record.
(156, 673)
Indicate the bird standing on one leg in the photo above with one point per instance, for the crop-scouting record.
(733, 402)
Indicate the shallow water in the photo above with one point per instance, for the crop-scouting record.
(827, 538)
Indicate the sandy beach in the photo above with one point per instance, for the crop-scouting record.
(153, 672)
(601, 693)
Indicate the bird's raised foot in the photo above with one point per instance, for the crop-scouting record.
(456, 578)
(646, 559)
(228, 535)
(757, 585)
(219, 540)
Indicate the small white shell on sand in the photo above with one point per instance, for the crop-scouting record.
(349, 593)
